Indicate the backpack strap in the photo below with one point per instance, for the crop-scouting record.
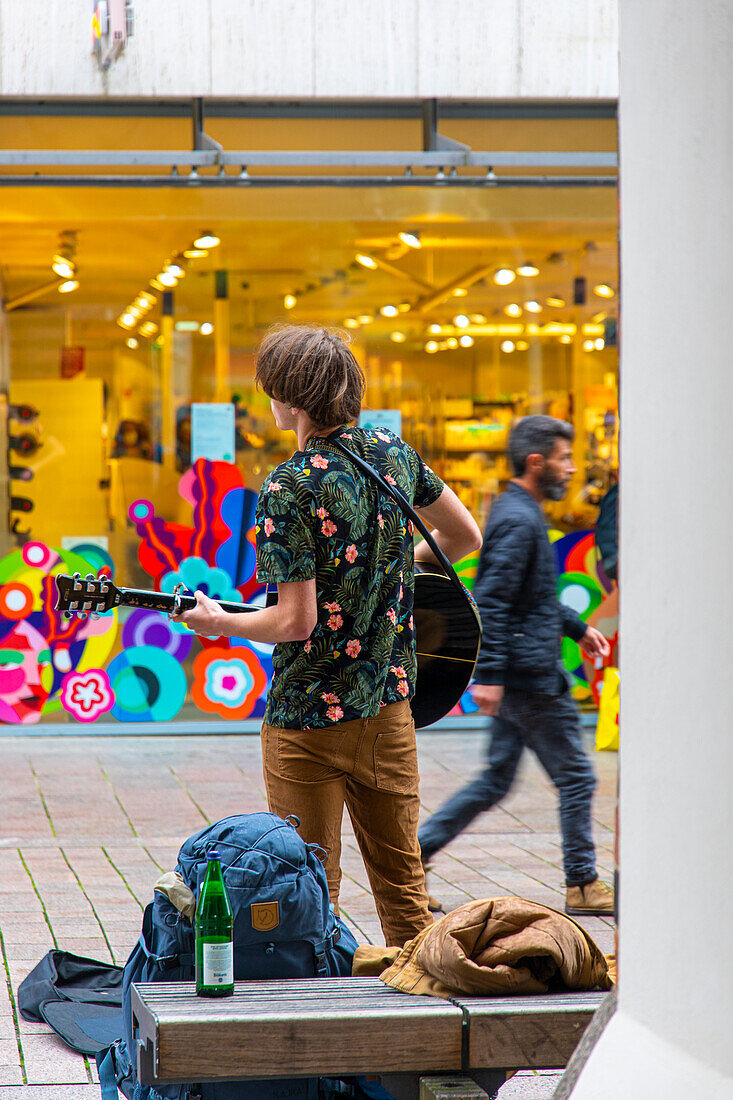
(114, 1066)
(321, 960)
(166, 962)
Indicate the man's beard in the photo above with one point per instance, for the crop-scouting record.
(551, 488)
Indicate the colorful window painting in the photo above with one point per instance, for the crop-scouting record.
(136, 666)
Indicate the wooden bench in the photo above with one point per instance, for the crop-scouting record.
(335, 1027)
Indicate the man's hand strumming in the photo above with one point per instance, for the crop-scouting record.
(487, 697)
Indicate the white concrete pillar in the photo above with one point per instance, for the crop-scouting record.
(672, 1034)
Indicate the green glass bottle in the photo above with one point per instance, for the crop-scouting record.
(214, 934)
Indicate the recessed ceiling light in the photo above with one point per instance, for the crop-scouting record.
(603, 290)
(466, 341)
(461, 320)
(290, 301)
(365, 318)
(565, 339)
(404, 307)
(148, 328)
(599, 343)
(63, 267)
(451, 342)
(412, 240)
(351, 322)
(389, 311)
(431, 347)
(588, 345)
(207, 240)
(460, 292)
(507, 346)
(165, 278)
(68, 286)
(533, 307)
(528, 270)
(206, 329)
(477, 318)
(556, 303)
(365, 261)
(434, 328)
(521, 345)
(131, 342)
(195, 253)
(397, 337)
(513, 309)
(504, 276)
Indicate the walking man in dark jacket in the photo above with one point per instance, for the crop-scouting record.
(519, 679)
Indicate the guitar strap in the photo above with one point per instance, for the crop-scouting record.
(403, 504)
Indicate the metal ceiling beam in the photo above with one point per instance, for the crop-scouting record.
(465, 280)
(203, 156)
(398, 273)
(80, 106)
(223, 180)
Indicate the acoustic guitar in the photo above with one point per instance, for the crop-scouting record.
(447, 629)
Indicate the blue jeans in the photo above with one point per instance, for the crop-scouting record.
(550, 726)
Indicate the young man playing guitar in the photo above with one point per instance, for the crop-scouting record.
(338, 726)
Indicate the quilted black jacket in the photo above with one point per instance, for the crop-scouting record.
(516, 592)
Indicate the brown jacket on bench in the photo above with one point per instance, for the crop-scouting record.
(492, 947)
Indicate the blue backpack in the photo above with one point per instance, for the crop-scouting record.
(284, 927)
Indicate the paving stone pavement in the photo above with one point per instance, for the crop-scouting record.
(89, 823)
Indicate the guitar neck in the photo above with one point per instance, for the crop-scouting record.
(165, 601)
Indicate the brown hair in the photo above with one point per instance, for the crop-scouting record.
(313, 369)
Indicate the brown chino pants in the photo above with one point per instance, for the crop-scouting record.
(371, 765)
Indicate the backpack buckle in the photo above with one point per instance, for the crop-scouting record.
(321, 962)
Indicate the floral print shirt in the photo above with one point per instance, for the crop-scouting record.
(319, 516)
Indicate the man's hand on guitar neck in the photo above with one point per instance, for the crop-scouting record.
(291, 619)
(207, 618)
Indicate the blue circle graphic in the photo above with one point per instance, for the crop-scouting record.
(149, 685)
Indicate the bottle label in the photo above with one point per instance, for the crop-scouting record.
(218, 963)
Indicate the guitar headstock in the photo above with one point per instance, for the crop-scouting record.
(84, 596)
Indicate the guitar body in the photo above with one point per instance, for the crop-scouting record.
(448, 638)
(447, 629)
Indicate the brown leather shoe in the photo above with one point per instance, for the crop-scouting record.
(435, 905)
(592, 899)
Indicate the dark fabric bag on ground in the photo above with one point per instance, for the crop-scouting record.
(80, 998)
(284, 927)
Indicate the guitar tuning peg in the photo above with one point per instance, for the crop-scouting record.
(82, 614)
(94, 615)
(90, 577)
(68, 614)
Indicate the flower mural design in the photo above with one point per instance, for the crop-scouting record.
(228, 682)
(48, 663)
(38, 647)
(86, 695)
